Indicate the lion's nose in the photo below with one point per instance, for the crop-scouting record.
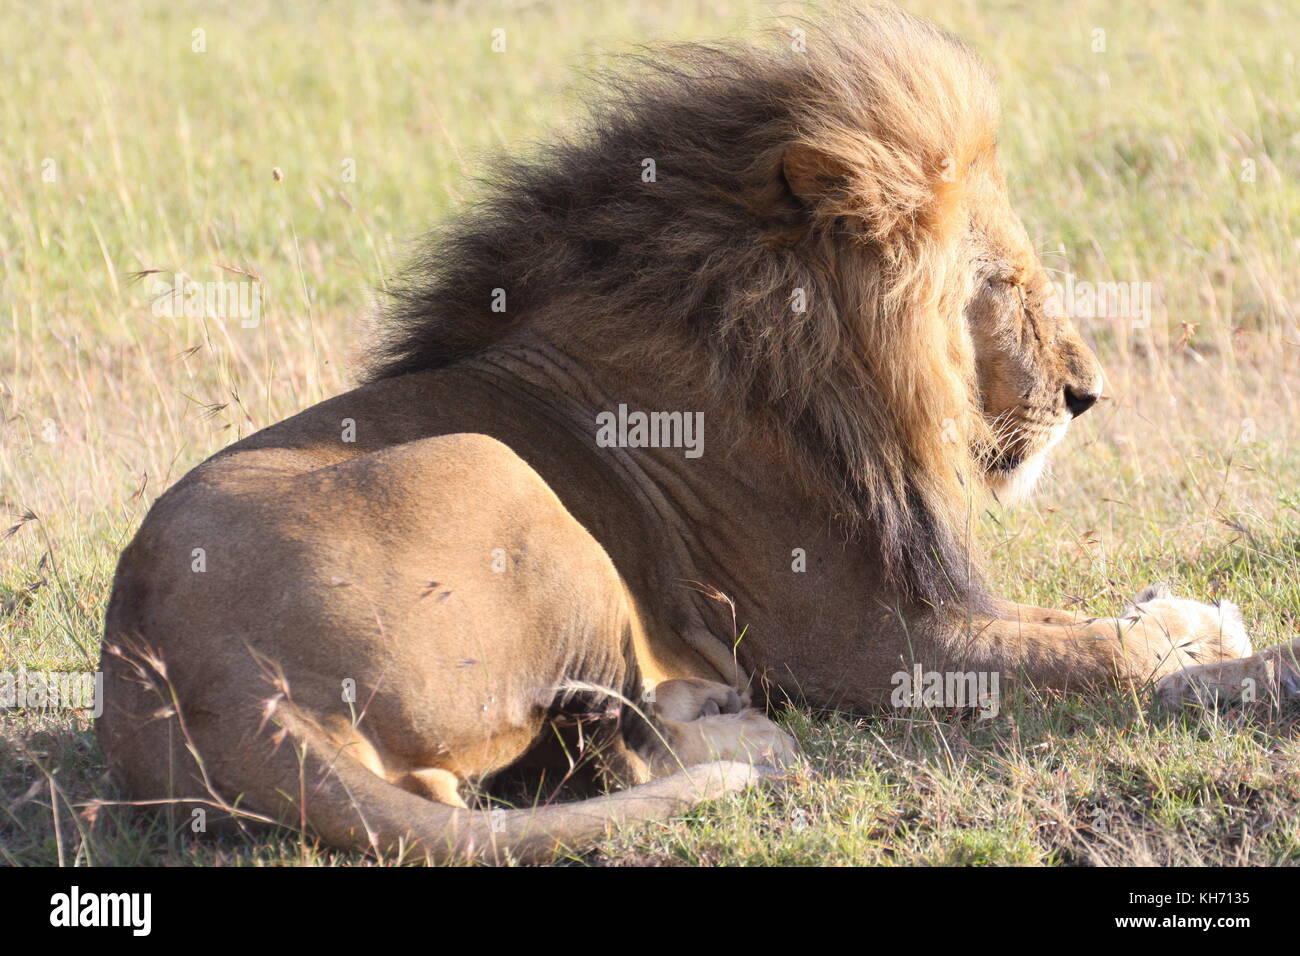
(1079, 401)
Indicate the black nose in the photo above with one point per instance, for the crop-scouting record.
(1079, 402)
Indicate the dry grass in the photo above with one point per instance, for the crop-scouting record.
(1127, 164)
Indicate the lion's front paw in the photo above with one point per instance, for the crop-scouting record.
(1174, 634)
(1273, 676)
(1208, 686)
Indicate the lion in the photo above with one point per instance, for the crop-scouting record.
(358, 621)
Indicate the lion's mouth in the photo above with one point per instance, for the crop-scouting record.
(1014, 468)
(1012, 454)
(1003, 462)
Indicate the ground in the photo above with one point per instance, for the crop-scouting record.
(301, 150)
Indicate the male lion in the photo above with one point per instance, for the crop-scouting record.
(444, 574)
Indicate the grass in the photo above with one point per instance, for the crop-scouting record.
(1170, 157)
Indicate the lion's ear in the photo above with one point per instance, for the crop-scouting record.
(811, 173)
(884, 191)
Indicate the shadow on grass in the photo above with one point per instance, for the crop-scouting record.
(1056, 779)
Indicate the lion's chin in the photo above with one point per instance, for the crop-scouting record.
(1018, 482)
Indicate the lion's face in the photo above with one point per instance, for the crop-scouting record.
(1035, 373)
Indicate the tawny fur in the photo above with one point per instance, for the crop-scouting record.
(469, 584)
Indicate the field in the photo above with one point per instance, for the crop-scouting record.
(302, 149)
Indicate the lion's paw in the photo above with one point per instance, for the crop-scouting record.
(690, 698)
(1271, 676)
(1177, 634)
(765, 742)
(748, 735)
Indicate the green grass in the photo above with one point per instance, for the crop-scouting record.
(1127, 164)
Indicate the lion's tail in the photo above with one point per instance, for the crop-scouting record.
(349, 806)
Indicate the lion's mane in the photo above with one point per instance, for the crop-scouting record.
(870, 391)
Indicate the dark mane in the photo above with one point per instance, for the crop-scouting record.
(700, 264)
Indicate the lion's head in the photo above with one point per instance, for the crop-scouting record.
(1034, 373)
(823, 243)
